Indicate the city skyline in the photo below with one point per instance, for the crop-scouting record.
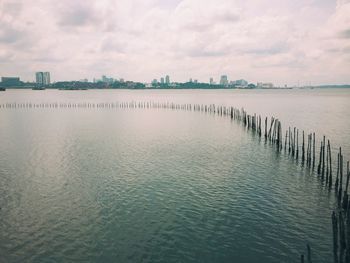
(43, 79)
(284, 42)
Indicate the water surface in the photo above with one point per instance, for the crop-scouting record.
(131, 185)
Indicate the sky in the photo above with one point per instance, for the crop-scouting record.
(293, 42)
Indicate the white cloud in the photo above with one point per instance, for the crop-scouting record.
(280, 41)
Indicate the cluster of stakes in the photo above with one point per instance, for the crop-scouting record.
(295, 145)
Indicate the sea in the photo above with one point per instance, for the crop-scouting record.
(112, 184)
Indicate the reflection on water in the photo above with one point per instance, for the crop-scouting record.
(154, 185)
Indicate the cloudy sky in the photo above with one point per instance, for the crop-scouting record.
(282, 41)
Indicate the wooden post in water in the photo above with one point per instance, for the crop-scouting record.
(330, 165)
(297, 151)
(303, 149)
(308, 150)
(320, 160)
(293, 151)
(308, 253)
(327, 165)
(341, 177)
(285, 141)
(345, 196)
(314, 153)
(289, 140)
(335, 237)
(341, 237)
(323, 150)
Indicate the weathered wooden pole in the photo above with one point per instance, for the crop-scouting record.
(297, 151)
(330, 165)
(314, 151)
(323, 151)
(337, 179)
(293, 151)
(341, 237)
(335, 237)
(285, 141)
(327, 165)
(303, 149)
(308, 253)
(341, 177)
(289, 140)
(320, 161)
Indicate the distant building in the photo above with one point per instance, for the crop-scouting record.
(10, 82)
(42, 78)
(224, 80)
(211, 81)
(154, 82)
(167, 79)
(39, 78)
(107, 80)
(47, 78)
(161, 80)
(195, 81)
(241, 82)
(263, 85)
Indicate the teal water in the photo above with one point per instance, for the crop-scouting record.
(132, 185)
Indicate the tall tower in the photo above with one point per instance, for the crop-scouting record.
(42, 78)
(224, 80)
(47, 80)
(167, 79)
(39, 78)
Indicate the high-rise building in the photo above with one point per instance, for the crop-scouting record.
(39, 78)
(167, 79)
(224, 80)
(42, 78)
(161, 80)
(106, 79)
(47, 79)
(211, 81)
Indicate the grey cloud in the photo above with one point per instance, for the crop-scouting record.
(277, 48)
(112, 45)
(198, 52)
(77, 15)
(9, 34)
(12, 8)
(345, 50)
(6, 57)
(48, 59)
(345, 33)
(292, 63)
(227, 16)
